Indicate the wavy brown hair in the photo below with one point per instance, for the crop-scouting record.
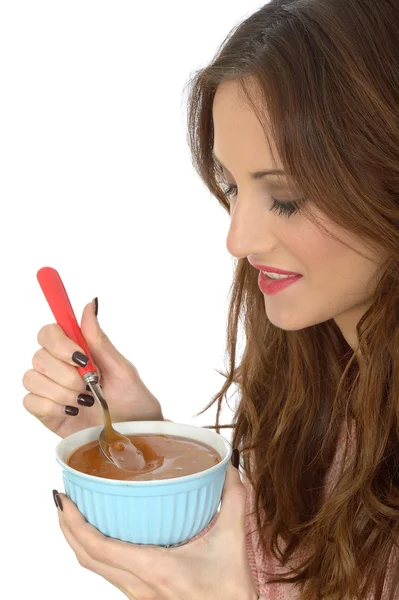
(326, 75)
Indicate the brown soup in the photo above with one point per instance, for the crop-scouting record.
(166, 457)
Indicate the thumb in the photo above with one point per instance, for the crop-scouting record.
(105, 355)
(232, 511)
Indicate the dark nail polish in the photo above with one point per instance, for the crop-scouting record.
(57, 500)
(85, 400)
(235, 458)
(88, 388)
(80, 359)
(96, 305)
(71, 410)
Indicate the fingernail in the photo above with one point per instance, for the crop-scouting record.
(71, 410)
(235, 458)
(80, 359)
(85, 400)
(57, 500)
(95, 302)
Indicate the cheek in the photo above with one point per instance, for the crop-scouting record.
(311, 243)
(319, 254)
(310, 250)
(340, 275)
(335, 278)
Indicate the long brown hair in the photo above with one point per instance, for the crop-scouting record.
(326, 74)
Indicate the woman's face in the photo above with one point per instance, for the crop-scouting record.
(336, 282)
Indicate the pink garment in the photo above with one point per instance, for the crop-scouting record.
(259, 561)
(266, 562)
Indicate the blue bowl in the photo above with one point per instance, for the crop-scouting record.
(162, 512)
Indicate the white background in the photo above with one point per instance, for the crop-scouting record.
(96, 181)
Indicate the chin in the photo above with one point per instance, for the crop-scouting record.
(293, 321)
(290, 327)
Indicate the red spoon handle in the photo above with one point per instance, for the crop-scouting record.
(57, 298)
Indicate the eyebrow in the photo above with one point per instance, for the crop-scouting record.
(257, 174)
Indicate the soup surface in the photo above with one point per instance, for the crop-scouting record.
(166, 457)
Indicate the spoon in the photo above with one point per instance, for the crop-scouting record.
(117, 448)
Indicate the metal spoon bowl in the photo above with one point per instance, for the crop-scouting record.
(117, 448)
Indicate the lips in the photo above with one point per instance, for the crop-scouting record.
(273, 269)
(274, 286)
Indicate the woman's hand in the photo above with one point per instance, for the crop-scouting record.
(54, 382)
(212, 567)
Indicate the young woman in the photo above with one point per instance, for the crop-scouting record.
(294, 127)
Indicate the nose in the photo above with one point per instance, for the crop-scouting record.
(250, 230)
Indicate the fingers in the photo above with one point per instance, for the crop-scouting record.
(42, 386)
(89, 546)
(137, 559)
(43, 408)
(120, 579)
(53, 339)
(57, 370)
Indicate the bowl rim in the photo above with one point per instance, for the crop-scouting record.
(151, 482)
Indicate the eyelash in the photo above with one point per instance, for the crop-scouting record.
(282, 208)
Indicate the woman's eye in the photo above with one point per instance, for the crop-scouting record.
(286, 208)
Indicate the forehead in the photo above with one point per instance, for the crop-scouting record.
(231, 107)
(238, 134)
(229, 94)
